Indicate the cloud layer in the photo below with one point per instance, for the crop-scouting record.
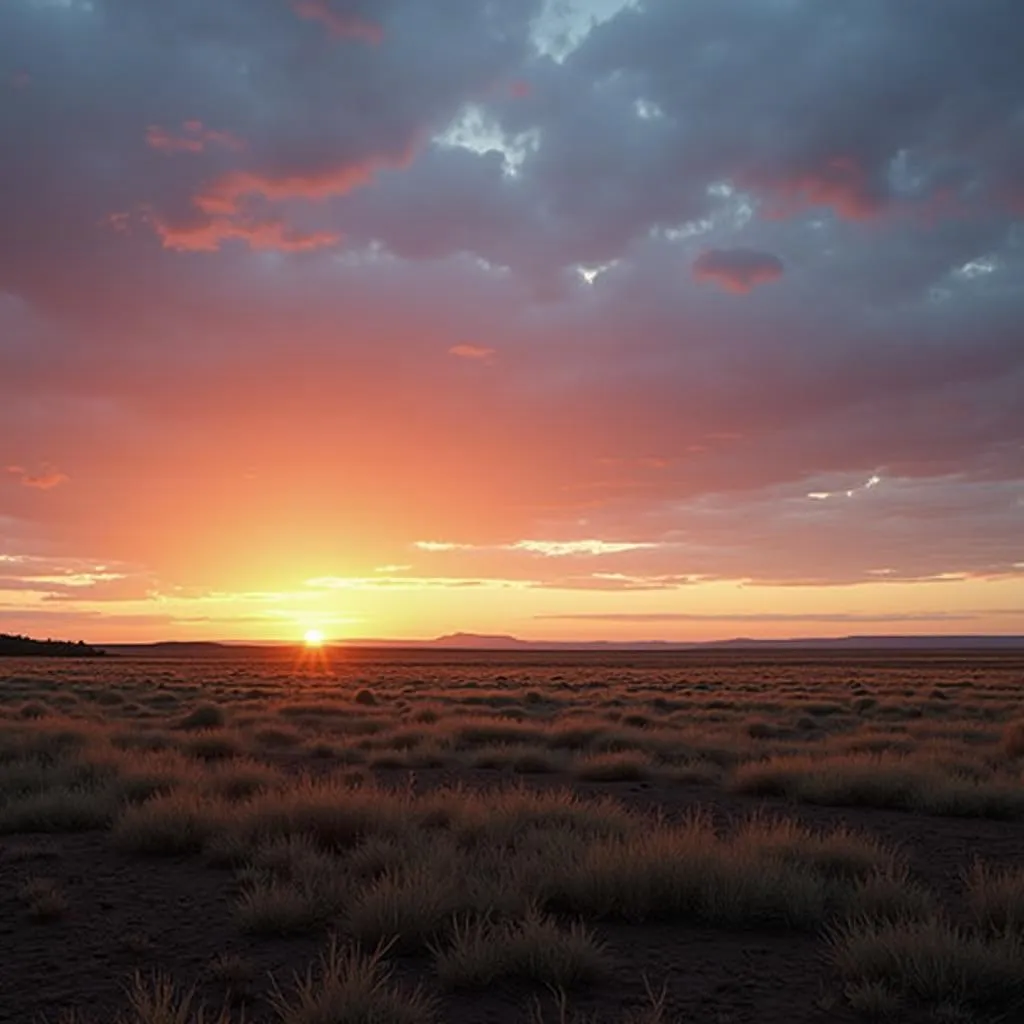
(289, 285)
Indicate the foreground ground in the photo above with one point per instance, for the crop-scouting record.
(552, 838)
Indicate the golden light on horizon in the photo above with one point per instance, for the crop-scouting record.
(314, 637)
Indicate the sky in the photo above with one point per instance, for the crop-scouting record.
(678, 319)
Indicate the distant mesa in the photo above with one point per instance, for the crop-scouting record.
(471, 640)
(14, 646)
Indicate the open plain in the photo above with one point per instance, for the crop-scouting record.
(360, 837)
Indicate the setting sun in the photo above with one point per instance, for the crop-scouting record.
(314, 637)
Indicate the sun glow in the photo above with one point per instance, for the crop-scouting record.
(314, 637)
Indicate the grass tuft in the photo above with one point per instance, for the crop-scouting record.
(931, 961)
(353, 987)
(996, 896)
(204, 716)
(180, 822)
(532, 949)
(160, 1001)
(274, 907)
(62, 809)
(873, 999)
(624, 766)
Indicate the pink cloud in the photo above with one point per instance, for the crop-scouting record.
(221, 215)
(339, 26)
(471, 351)
(193, 138)
(737, 270)
(226, 194)
(43, 479)
(258, 235)
(840, 183)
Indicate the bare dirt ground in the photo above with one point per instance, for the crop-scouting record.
(929, 770)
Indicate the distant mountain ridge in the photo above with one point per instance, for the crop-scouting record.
(461, 641)
(476, 641)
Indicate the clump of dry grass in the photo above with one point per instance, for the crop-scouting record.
(60, 809)
(767, 873)
(873, 999)
(149, 741)
(33, 709)
(931, 961)
(890, 894)
(760, 730)
(204, 716)
(499, 816)
(415, 902)
(335, 815)
(472, 732)
(231, 969)
(996, 896)
(159, 1001)
(878, 780)
(625, 766)
(239, 780)
(176, 823)
(351, 986)
(273, 907)
(534, 948)
(525, 759)
(211, 745)
(276, 737)
(292, 887)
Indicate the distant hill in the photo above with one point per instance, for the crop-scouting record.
(475, 642)
(187, 649)
(884, 643)
(15, 646)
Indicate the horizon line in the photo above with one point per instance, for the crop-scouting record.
(478, 640)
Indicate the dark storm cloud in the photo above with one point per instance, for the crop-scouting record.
(207, 208)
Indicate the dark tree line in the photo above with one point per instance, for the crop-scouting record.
(13, 645)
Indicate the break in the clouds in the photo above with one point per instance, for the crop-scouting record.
(286, 285)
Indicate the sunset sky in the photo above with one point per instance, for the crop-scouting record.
(678, 319)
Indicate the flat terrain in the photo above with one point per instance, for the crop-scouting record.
(397, 838)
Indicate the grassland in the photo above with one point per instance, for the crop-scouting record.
(513, 839)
